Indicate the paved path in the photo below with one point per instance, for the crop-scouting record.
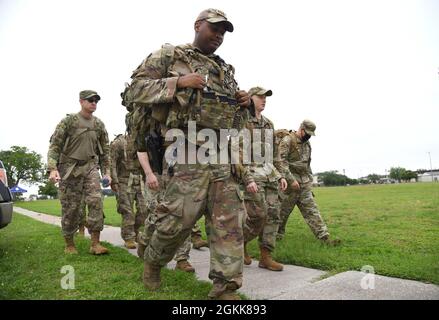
(294, 282)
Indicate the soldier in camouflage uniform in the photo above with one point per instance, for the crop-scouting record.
(127, 182)
(197, 241)
(83, 217)
(294, 162)
(78, 147)
(154, 195)
(197, 85)
(262, 194)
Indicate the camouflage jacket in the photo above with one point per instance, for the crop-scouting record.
(78, 141)
(294, 159)
(155, 83)
(123, 159)
(262, 171)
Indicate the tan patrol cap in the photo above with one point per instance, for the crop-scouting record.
(85, 94)
(259, 91)
(309, 127)
(215, 16)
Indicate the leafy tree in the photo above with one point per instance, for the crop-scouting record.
(48, 189)
(374, 178)
(22, 164)
(408, 175)
(332, 178)
(397, 173)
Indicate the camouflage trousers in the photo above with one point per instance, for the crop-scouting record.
(153, 197)
(193, 190)
(131, 193)
(71, 191)
(304, 199)
(83, 214)
(263, 214)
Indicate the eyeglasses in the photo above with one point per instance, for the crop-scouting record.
(91, 100)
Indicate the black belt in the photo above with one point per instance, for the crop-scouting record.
(221, 98)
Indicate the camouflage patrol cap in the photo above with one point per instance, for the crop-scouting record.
(309, 127)
(85, 94)
(259, 91)
(215, 16)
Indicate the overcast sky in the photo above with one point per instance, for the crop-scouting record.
(366, 72)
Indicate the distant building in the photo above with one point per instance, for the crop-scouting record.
(429, 176)
(315, 180)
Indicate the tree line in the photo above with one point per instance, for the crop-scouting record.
(25, 165)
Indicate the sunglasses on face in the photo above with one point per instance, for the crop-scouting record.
(92, 100)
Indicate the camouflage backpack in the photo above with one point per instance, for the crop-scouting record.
(142, 118)
(278, 136)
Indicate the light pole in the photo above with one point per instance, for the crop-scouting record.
(431, 167)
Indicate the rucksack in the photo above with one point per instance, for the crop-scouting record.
(142, 118)
(278, 136)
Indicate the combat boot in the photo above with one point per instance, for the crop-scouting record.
(229, 295)
(247, 258)
(70, 246)
(81, 230)
(221, 292)
(185, 266)
(330, 242)
(151, 276)
(198, 242)
(130, 244)
(96, 247)
(267, 261)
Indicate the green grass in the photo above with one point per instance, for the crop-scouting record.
(393, 228)
(31, 258)
(53, 207)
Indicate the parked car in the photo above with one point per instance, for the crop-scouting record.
(5, 199)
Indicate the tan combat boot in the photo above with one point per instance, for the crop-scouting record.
(151, 276)
(130, 244)
(198, 242)
(267, 261)
(247, 258)
(81, 230)
(229, 295)
(185, 266)
(70, 246)
(218, 292)
(96, 247)
(330, 242)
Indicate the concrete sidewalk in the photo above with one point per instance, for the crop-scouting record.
(294, 282)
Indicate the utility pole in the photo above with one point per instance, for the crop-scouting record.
(431, 167)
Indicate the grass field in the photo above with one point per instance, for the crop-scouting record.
(393, 228)
(31, 259)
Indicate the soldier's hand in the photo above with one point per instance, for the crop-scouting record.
(54, 176)
(252, 187)
(152, 182)
(115, 187)
(191, 80)
(295, 185)
(243, 98)
(283, 184)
